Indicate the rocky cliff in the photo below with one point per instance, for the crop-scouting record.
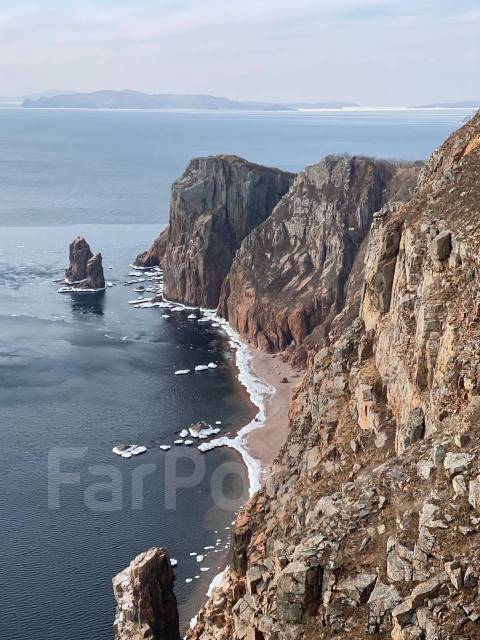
(369, 523)
(146, 603)
(289, 274)
(85, 270)
(155, 254)
(214, 205)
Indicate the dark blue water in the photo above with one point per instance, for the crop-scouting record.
(90, 372)
(62, 167)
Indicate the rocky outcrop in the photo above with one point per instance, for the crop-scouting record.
(214, 205)
(146, 603)
(154, 256)
(368, 525)
(85, 270)
(289, 275)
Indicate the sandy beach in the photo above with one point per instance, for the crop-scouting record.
(265, 443)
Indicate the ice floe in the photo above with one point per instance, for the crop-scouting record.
(79, 290)
(128, 450)
(138, 450)
(208, 446)
(140, 300)
(203, 430)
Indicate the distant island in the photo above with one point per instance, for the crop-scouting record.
(465, 104)
(138, 100)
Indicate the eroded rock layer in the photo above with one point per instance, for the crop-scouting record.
(369, 524)
(289, 274)
(214, 205)
(146, 603)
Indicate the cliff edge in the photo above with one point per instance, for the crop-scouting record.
(290, 273)
(369, 523)
(215, 203)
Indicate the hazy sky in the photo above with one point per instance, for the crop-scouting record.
(385, 52)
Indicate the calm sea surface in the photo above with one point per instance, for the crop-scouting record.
(88, 372)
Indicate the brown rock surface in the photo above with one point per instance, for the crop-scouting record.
(85, 270)
(289, 274)
(154, 256)
(214, 205)
(353, 537)
(146, 603)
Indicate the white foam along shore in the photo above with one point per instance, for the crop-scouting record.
(258, 390)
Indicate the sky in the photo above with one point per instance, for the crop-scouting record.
(374, 52)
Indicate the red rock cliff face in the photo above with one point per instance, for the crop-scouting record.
(214, 205)
(154, 256)
(369, 523)
(289, 274)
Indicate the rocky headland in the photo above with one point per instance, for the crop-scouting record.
(85, 270)
(368, 524)
(215, 203)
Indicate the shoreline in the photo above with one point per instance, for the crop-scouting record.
(259, 441)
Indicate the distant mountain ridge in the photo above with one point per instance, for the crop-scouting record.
(464, 104)
(127, 99)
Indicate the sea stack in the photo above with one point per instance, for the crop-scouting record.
(85, 270)
(146, 603)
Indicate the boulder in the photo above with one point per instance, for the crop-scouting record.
(456, 463)
(441, 246)
(410, 431)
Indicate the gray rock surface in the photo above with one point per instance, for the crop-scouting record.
(214, 205)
